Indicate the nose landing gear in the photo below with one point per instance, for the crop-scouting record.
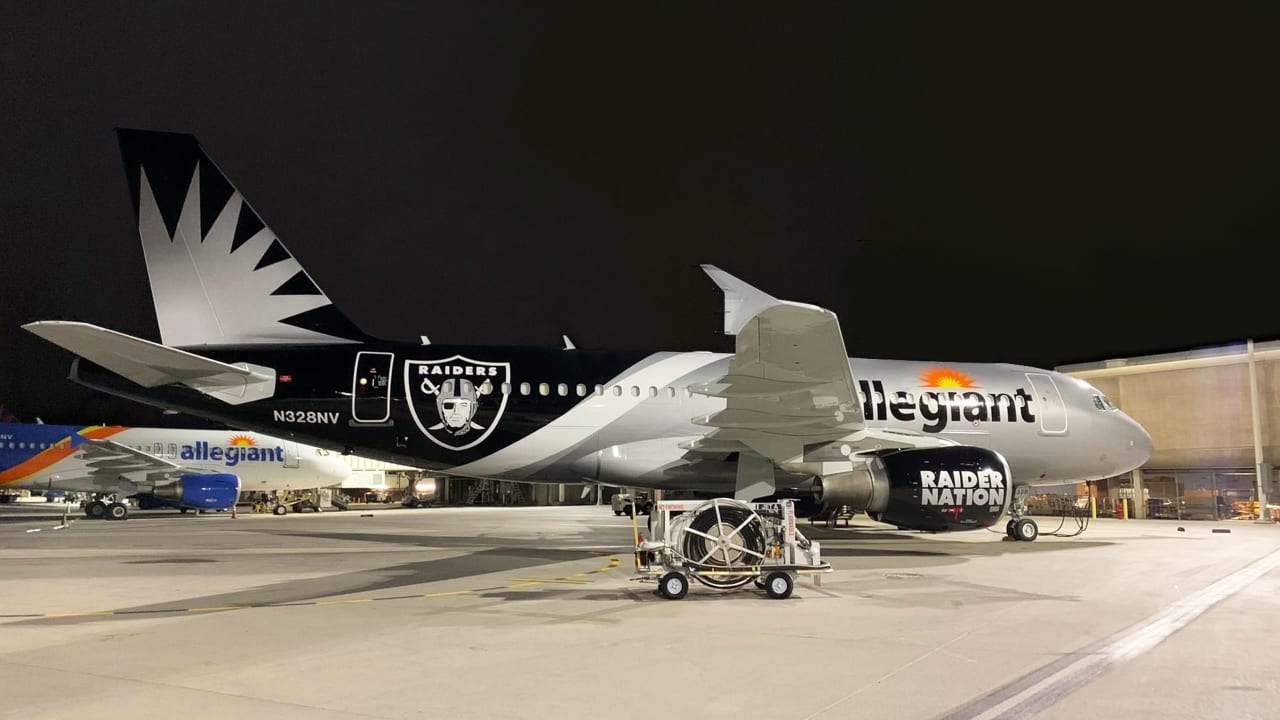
(1024, 529)
(1020, 527)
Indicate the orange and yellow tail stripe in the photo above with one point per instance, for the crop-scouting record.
(54, 454)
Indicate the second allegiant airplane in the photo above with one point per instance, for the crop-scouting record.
(188, 469)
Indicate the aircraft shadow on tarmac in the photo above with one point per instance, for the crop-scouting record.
(864, 547)
(368, 580)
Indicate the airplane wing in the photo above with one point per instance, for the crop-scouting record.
(790, 393)
(103, 453)
(151, 364)
(108, 462)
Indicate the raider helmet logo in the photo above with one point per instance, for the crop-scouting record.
(456, 402)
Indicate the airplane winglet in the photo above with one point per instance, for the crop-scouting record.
(742, 302)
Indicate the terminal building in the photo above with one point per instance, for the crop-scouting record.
(1199, 408)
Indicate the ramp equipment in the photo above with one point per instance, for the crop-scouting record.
(725, 544)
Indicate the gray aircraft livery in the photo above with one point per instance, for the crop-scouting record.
(248, 339)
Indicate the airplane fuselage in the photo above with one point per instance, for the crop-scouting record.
(553, 415)
(44, 457)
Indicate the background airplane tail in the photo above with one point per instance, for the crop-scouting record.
(219, 275)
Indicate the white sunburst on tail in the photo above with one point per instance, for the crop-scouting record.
(219, 275)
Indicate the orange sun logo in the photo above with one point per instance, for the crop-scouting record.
(946, 378)
(242, 441)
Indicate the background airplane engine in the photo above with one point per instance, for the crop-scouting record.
(212, 490)
(952, 488)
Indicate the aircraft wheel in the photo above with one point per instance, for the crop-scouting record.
(96, 510)
(279, 510)
(1026, 530)
(673, 586)
(117, 511)
(778, 585)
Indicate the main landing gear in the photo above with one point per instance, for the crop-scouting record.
(99, 510)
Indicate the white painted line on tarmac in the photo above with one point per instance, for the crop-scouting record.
(1036, 691)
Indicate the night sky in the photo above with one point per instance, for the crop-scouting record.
(994, 183)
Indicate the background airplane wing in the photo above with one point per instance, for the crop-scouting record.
(108, 456)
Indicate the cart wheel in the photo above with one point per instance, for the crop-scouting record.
(673, 586)
(279, 510)
(779, 585)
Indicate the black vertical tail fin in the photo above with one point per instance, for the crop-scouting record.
(219, 275)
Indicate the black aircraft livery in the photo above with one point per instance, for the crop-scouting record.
(247, 338)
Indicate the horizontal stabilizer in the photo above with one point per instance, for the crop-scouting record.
(151, 364)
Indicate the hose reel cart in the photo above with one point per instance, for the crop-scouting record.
(725, 544)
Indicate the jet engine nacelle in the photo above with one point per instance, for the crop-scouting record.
(212, 490)
(949, 488)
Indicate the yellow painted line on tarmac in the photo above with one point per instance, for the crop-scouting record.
(352, 601)
(565, 580)
(447, 594)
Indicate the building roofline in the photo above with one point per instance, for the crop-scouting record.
(1213, 356)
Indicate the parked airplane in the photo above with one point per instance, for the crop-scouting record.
(187, 469)
(247, 338)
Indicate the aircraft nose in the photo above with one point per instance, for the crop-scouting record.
(1138, 444)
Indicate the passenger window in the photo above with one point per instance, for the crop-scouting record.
(524, 388)
(653, 391)
(671, 392)
(562, 390)
(544, 389)
(581, 389)
(486, 387)
(599, 390)
(635, 391)
(506, 388)
(173, 450)
(617, 392)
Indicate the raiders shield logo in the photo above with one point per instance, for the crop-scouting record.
(456, 402)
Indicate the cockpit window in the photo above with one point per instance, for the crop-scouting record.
(1102, 402)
